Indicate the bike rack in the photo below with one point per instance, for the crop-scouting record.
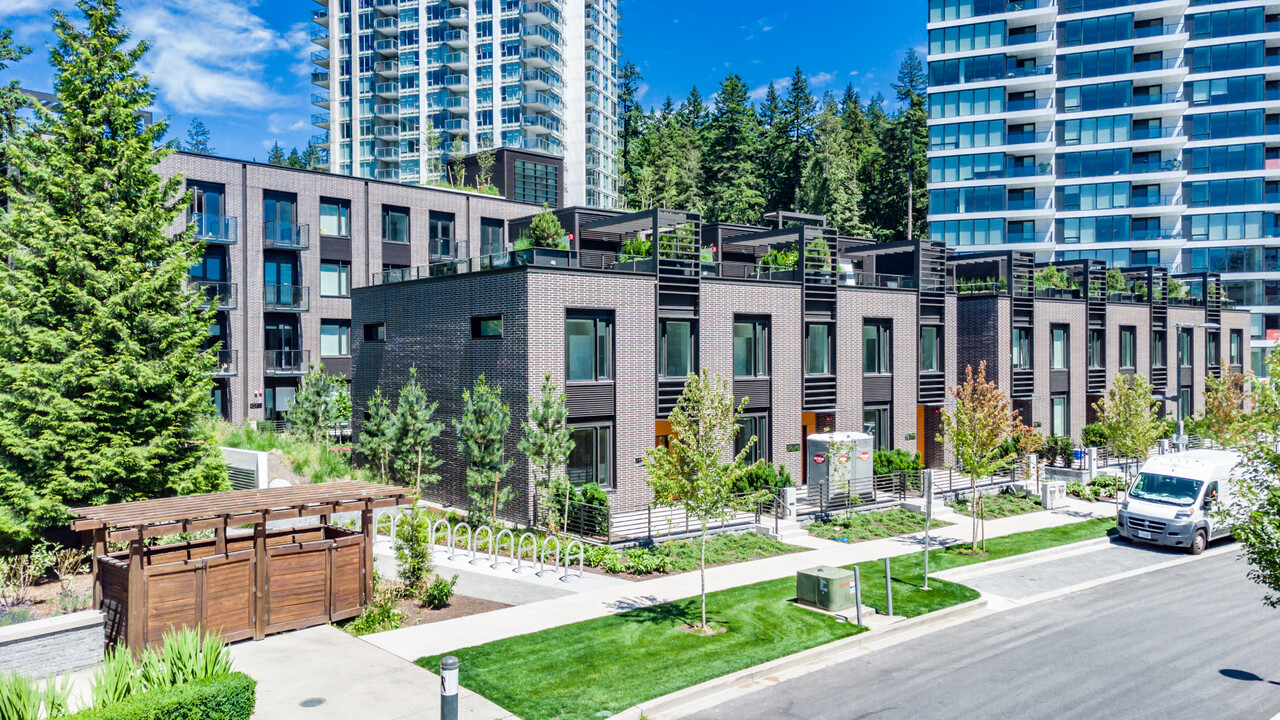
(533, 542)
(542, 557)
(497, 545)
(448, 533)
(568, 559)
(453, 538)
(475, 544)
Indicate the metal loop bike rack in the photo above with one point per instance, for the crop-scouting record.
(448, 534)
(497, 545)
(454, 534)
(533, 545)
(542, 556)
(568, 558)
(475, 540)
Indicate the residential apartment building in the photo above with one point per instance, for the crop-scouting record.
(405, 85)
(1142, 134)
(285, 247)
(854, 338)
(1056, 351)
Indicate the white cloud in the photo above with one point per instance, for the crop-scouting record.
(281, 123)
(759, 92)
(766, 28)
(207, 56)
(19, 8)
(821, 79)
(641, 91)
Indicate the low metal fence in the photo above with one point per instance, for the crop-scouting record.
(600, 525)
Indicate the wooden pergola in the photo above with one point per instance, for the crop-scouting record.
(240, 584)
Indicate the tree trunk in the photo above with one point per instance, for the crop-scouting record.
(568, 493)
(702, 575)
(418, 472)
(973, 509)
(493, 517)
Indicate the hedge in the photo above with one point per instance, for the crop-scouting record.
(228, 697)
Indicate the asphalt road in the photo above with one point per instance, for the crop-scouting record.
(1189, 641)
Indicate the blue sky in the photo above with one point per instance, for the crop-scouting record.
(242, 66)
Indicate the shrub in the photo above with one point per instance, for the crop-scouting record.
(20, 572)
(380, 613)
(588, 509)
(19, 697)
(185, 656)
(763, 477)
(1082, 491)
(438, 593)
(225, 697)
(1058, 451)
(115, 679)
(884, 462)
(413, 550)
(1093, 435)
(1107, 485)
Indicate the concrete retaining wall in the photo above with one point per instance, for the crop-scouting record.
(53, 645)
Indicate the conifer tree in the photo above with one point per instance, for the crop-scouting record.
(547, 439)
(830, 185)
(481, 431)
(321, 405)
(377, 434)
(413, 432)
(276, 155)
(312, 156)
(796, 123)
(546, 231)
(198, 138)
(295, 159)
(731, 171)
(104, 379)
(12, 99)
(631, 118)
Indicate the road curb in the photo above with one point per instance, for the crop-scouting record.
(681, 702)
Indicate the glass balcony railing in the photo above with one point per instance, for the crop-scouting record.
(285, 235)
(221, 295)
(214, 228)
(285, 362)
(1143, 100)
(294, 298)
(1028, 38)
(224, 363)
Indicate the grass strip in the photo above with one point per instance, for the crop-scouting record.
(858, 526)
(602, 666)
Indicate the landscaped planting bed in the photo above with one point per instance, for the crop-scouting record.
(858, 526)
(602, 666)
(1003, 504)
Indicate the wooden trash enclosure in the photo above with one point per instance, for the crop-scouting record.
(241, 583)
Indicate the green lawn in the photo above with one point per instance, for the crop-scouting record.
(1000, 505)
(859, 526)
(598, 667)
(721, 550)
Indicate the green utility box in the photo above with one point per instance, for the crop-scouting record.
(826, 588)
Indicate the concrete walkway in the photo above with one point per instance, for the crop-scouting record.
(322, 673)
(441, 637)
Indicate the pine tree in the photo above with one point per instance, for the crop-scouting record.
(481, 431)
(545, 230)
(413, 432)
(830, 185)
(321, 405)
(198, 138)
(295, 159)
(773, 148)
(796, 123)
(731, 172)
(276, 155)
(547, 439)
(377, 434)
(907, 145)
(12, 99)
(312, 156)
(631, 129)
(103, 378)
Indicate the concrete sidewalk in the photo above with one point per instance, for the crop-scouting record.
(441, 637)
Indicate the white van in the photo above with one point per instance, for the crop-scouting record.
(1172, 500)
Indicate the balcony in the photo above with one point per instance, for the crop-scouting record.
(387, 132)
(541, 124)
(593, 57)
(388, 26)
(456, 39)
(456, 17)
(387, 111)
(320, 36)
(592, 77)
(216, 294)
(224, 363)
(537, 57)
(1144, 100)
(592, 97)
(457, 83)
(539, 13)
(321, 58)
(320, 17)
(1172, 200)
(285, 235)
(539, 35)
(387, 68)
(456, 126)
(541, 102)
(457, 61)
(387, 47)
(287, 298)
(541, 144)
(1029, 38)
(387, 174)
(458, 104)
(217, 229)
(320, 78)
(320, 120)
(540, 80)
(285, 362)
(387, 7)
(1159, 30)
(388, 90)
(320, 100)
(320, 140)
(388, 154)
(1174, 165)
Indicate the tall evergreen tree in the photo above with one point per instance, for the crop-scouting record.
(481, 431)
(797, 125)
(377, 435)
(731, 170)
(773, 148)
(631, 119)
(830, 186)
(414, 431)
(12, 99)
(103, 376)
(198, 138)
(547, 442)
(295, 159)
(276, 155)
(311, 157)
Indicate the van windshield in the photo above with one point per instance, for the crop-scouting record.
(1166, 489)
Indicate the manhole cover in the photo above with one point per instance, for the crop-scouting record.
(312, 702)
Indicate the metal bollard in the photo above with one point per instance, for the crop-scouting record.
(888, 589)
(857, 585)
(449, 688)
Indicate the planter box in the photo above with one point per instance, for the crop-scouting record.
(53, 645)
(1065, 474)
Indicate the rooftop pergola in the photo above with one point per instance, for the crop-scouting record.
(223, 583)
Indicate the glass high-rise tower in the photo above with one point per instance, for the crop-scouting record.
(1135, 132)
(407, 84)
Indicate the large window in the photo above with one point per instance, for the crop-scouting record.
(956, 136)
(819, 350)
(967, 232)
(1107, 228)
(588, 340)
(930, 348)
(1117, 61)
(966, 70)
(1159, 349)
(963, 103)
(750, 347)
(1097, 163)
(1236, 348)
(1091, 131)
(1060, 348)
(875, 348)
(1223, 23)
(963, 38)
(1060, 416)
(491, 241)
(1097, 358)
(335, 217)
(1226, 91)
(754, 425)
(678, 355)
(1212, 349)
(1022, 348)
(1223, 158)
(440, 225)
(1184, 347)
(940, 10)
(1230, 226)
(335, 338)
(591, 460)
(1096, 196)
(987, 198)
(1128, 347)
(536, 183)
(1231, 56)
(1109, 28)
(1219, 193)
(966, 167)
(395, 224)
(335, 278)
(875, 422)
(1230, 124)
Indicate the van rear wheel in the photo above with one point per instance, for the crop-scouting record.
(1198, 542)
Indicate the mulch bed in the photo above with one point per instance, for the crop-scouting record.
(459, 606)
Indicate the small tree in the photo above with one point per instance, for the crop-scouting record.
(1129, 417)
(1224, 401)
(690, 471)
(547, 439)
(545, 230)
(275, 156)
(485, 160)
(481, 430)
(414, 430)
(198, 137)
(377, 434)
(321, 405)
(412, 545)
(977, 428)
